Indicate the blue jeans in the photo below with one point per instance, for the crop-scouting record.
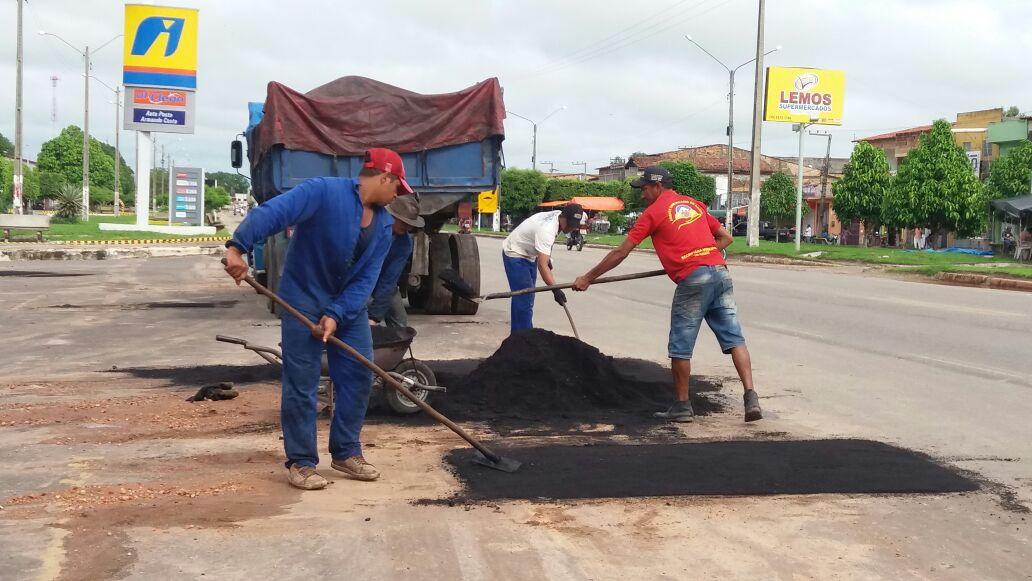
(352, 382)
(706, 293)
(522, 273)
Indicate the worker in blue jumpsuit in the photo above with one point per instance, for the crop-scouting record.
(341, 235)
(385, 306)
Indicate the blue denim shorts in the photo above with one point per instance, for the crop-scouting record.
(706, 293)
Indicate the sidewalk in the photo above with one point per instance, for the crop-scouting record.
(105, 251)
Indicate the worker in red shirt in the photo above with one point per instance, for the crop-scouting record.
(689, 243)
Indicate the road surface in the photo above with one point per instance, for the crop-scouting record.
(838, 353)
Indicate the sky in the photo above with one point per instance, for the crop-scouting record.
(627, 77)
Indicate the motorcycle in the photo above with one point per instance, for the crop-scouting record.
(575, 238)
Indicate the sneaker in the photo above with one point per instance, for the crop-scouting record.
(356, 467)
(679, 412)
(306, 478)
(752, 406)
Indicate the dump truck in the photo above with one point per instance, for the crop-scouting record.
(450, 143)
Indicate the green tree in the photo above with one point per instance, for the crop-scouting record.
(215, 197)
(860, 193)
(633, 202)
(63, 154)
(1009, 176)
(689, 182)
(520, 191)
(50, 184)
(126, 177)
(6, 147)
(234, 183)
(936, 188)
(1012, 111)
(6, 183)
(778, 198)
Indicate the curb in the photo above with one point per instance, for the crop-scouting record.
(107, 253)
(126, 241)
(768, 259)
(984, 280)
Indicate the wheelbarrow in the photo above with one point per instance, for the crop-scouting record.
(390, 347)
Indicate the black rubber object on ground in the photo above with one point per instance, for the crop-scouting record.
(741, 467)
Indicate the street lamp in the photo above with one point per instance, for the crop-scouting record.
(730, 121)
(86, 118)
(116, 199)
(533, 154)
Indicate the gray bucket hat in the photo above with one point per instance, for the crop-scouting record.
(406, 209)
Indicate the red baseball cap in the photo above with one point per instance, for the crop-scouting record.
(386, 160)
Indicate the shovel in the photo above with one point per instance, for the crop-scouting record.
(485, 456)
(454, 283)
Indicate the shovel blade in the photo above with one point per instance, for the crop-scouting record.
(504, 464)
(454, 283)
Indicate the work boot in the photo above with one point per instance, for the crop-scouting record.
(306, 478)
(752, 406)
(679, 412)
(356, 468)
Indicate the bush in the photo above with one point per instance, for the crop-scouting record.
(68, 203)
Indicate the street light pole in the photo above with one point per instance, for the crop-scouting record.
(86, 117)
(118, 155)
(730, 123)
(584, 172)
(18, 180)
(533, 152)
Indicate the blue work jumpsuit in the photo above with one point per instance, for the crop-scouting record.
(382, 305)
(323, 276)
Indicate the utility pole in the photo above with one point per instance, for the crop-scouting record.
(118, 155)
(584, 170)
(754, 169)
(18, 181)
(801, 128)
(53, 101)
(86, 140)
(551, 166)
(824, 182)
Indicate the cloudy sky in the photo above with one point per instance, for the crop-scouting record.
(623, 70)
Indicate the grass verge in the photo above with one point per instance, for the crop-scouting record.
(64, 231)
(1002, 271)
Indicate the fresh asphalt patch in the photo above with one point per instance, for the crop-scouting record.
(197, 375)
(41, 274)
(152, 305)
(712, 468)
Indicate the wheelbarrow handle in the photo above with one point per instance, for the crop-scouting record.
(228, 339)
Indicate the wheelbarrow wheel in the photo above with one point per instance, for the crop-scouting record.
(417, 371)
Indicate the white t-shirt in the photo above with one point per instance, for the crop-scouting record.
(533, 236)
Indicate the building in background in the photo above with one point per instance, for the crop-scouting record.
(1009, 133)
(970, 132)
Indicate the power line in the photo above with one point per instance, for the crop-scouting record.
(626, 42)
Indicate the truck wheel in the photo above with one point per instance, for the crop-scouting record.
(438, 298)
(466, 259)
(417, 371)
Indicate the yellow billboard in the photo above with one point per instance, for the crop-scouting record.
(801, 95)
(160, 47)
(487, 202)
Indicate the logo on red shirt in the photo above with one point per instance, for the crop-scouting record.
(682, 213)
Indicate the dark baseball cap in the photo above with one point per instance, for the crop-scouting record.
(653, 174)
(573, 213)
(387, 160)
(406, 209)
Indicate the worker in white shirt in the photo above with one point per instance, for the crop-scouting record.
(527, 250)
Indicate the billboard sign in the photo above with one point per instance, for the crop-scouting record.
(975, 159)
(186, 196)
(159, 110)
(802, 95)
(160, 48)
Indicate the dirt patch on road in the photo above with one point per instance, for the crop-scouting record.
(218, 490)
(146, 417)
(721, 468)
(198, 375)
(41, 274)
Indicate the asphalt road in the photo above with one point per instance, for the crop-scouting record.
(837, 353)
